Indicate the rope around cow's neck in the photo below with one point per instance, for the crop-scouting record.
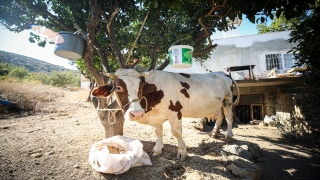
(121, 107)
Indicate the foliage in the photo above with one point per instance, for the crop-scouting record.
(278, 24)
(55, 78)
(288, 128)
(62, 79)
(307, 35)
(4, 69)
(18, 73)
(113, 26)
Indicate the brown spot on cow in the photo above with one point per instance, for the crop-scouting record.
(152, 97)
(122, 91)
(185, 93)
(185, 75)
(176, 108)
(143, 79)
(184, 90)
(185, 85)
(219, 98)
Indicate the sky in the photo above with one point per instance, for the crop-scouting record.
(19, 43)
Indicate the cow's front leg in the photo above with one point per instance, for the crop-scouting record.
(176, 129)
(157, 150)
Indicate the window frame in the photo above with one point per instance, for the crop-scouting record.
(283, 65)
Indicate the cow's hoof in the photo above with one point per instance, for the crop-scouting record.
(214, 135)
(155, 153)
(228, 138)
(182, 156)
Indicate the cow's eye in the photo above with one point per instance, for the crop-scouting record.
(118, 88)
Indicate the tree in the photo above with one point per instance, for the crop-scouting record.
(306, 53)
(278, 24)
(18, 72)
(127, 33)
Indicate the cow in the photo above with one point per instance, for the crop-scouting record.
(154, 97)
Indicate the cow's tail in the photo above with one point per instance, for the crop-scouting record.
(238, 93)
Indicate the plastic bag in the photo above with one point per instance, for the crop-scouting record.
(270, 120)
(117, 154)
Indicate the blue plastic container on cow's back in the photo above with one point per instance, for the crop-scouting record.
(69, 45)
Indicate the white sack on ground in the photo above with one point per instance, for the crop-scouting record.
(117, 154)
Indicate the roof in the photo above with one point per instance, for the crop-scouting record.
(270, 82)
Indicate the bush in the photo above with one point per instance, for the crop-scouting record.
(18, 73)
(55, 78)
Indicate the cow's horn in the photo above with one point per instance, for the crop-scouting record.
(146, 73)
(111, 75)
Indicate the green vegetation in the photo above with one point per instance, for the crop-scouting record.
(278, 24)
(14, 67)
(307, 35)
(21, 74)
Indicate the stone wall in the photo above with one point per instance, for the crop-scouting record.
(268, 96)
(288, 103)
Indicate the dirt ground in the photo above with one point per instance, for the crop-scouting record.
(54, 143)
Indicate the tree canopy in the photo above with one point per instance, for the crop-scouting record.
(306, 53)
(127, 33)
(278, 24)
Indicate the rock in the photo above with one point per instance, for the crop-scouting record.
(200, 124)
(216, 150)
(49, 153)
(239, 151)
(244, 168)
(196, 159)
(76, 166)
(253, 148)
(193, 176)
(36, 155)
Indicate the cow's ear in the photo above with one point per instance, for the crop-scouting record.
(102, 91)
(149, 88)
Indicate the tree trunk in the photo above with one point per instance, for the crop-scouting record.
(112, 123)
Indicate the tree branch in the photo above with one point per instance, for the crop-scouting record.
(112, 35)
(215, 7)
(138, 35)
(64, 26)
(205, 30)
(208, 49)
(164, 64)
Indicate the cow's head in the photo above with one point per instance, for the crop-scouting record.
(128, 86)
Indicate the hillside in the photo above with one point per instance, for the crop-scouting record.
(33, 65)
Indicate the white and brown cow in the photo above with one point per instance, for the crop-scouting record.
(160, 96)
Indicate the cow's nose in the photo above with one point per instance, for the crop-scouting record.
(137, 113)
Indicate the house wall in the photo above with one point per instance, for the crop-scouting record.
(239, 51)
(85, 83)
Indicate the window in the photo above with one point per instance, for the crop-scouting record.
(280, 61)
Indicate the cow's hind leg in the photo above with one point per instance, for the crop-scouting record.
(227, 111)
(157, 150)
(219, 118)
(176, 129)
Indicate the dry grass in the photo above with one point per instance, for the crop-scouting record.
(41, 98)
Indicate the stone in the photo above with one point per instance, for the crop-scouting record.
(239, 151)
(193, 176)
(196, 159)
(244, 168)
(36, 155)
(253, 148)
(49, 153)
